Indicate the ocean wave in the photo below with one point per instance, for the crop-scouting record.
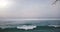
(4, 27)
(26, 27)
(54, 25)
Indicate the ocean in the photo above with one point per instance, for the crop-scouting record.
(42, 26)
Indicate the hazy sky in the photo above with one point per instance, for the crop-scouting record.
(29, 8)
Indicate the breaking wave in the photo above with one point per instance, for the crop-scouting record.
(26, 27)
(19, 27)
(54, 25)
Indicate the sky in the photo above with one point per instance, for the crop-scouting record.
(29, 9)
(22, 11)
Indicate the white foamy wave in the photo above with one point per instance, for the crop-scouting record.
(54, 25)
(26, 27)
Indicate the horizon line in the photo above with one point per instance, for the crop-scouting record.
(30, 19)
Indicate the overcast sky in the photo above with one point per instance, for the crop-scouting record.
(29, 8)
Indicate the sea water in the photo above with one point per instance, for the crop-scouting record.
(43, 26)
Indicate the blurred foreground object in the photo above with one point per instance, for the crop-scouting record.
(55, 2)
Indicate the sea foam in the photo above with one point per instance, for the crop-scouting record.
(54, 25)
(26, 27)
